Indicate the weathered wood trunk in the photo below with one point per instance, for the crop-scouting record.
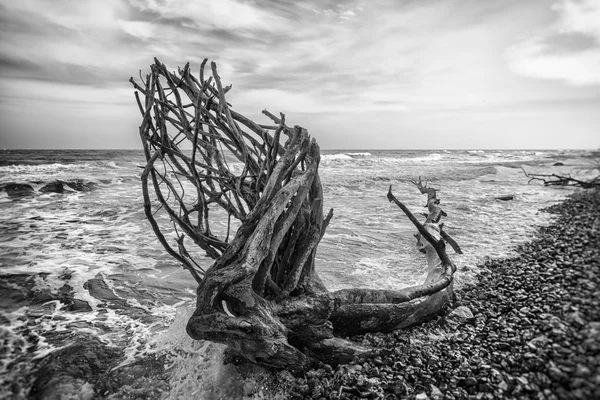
(262, 295)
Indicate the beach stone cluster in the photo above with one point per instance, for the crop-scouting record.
(529, 329)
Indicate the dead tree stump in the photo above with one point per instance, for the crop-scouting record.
(209, 169)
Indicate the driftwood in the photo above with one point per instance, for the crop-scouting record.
(229, 187)
(562, 180)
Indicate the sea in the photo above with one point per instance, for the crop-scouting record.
(78, 258)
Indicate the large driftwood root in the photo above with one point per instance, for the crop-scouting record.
(262, 296)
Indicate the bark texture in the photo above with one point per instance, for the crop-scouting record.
(249, 197)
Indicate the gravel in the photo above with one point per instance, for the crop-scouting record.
(529, 329)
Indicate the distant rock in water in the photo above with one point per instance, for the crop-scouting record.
(55, 187)
(506, 197)
(81, 186)
(558, 164)
(100, 290)
(60, 186)
(17, 189)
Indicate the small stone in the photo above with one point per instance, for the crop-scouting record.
(523, 380)
(315, 373)
(595, 327)
(360, 380)
(421, 396)
(354, 368)
(470, 381)
(399, 389)
(484, 387)
(462, 314)
(304, 389)
(576, 319)
(506, 197)
(582, 371)
(556, 374)
(249, 388)
(436, 393)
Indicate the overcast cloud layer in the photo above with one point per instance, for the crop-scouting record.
(357, 74)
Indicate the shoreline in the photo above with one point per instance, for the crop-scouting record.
(529, 328)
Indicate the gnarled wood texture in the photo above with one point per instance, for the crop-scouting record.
(218, 182)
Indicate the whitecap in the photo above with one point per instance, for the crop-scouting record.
(336, 157)
(424, 159)
(109, 165)
(365, 154)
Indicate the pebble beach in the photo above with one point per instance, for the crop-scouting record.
(528, 329)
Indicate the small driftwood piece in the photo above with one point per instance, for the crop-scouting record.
(249, 197)
(435, 214)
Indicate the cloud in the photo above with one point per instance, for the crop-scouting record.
(65, 43)
(354, 59)
(227, 14)
(352, 53)
(569, 50)
(12, 67)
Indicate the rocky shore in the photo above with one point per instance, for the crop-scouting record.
(530, 329)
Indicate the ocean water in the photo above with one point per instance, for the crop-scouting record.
(84, 261)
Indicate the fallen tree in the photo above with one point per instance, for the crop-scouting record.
(211, 171)
(565, 180)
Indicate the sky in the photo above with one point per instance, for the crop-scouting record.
(376, 74)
